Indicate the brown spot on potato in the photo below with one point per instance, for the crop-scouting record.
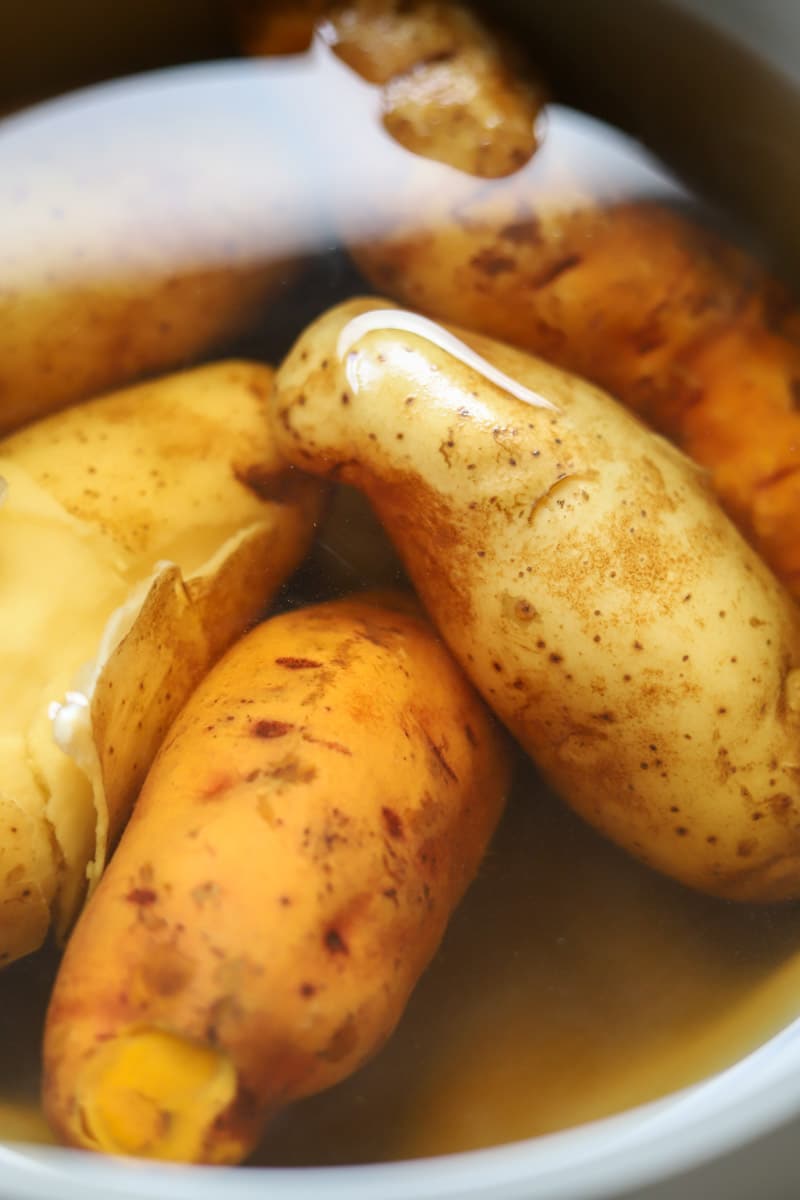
(142, 896)
(490, 262)
(271, 729)
(166, 973)
(393, 824)
(307, 990)
(780, 805)
(297, 664)
(439, 756)
(746, 847)
(328, 745)
(342, 1043)
(334, 942)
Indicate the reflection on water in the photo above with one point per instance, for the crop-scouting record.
(152, 222)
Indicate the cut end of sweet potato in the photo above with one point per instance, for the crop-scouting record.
(154, 1094)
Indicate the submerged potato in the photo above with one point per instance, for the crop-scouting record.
(139, 534)
(139, 230)
(309, 825)
(584, 576)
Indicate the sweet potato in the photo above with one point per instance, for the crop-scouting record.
(582, 573)
(313, 817)
(139, 535)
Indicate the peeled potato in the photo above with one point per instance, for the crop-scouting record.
(139, 534)
(582, 573)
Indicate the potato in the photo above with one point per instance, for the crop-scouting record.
(449, 87)
(583, 575)
(312, 819)
(141, 224)
(139, 534)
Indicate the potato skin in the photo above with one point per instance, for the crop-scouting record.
(313, 817)
(168, 505)
(583, 575)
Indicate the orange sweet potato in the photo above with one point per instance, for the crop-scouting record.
(312, 819)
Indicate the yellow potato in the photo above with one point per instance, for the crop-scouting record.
(141, 224)
(582, 573)
(313, 818)
(139, 534)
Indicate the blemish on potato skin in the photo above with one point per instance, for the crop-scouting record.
(334, 942)
(271, 729)
(491, 263)
(328, 745)
(166, 974)
(142, 896)
(297, 664)
(438, 753)
(392, 822)
(781, 805)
